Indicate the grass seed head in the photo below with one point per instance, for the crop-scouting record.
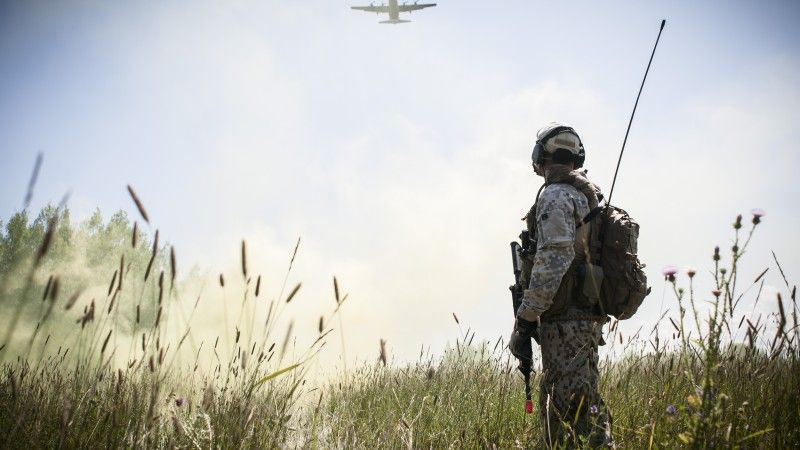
(244, 258)
(152, 257)
(113, 282)
(54, 289)
(72, 299)
(172, 266)
(47, 240)
(293, 293)
(138, 204)
(382, 355)
(47, 287)
(105, 342)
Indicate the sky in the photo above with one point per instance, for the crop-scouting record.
(401, 153)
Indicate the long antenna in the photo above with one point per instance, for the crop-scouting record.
(616, 171)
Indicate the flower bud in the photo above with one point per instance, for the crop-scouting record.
(757, 215)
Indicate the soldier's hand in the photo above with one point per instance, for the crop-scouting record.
(520, 342)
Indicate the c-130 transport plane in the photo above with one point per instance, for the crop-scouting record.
(394, 10)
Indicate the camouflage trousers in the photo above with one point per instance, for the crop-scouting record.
(571, 409)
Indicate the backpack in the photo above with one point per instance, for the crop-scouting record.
(613, 247)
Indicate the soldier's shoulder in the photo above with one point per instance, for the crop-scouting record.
(560, 193)
(565, 197)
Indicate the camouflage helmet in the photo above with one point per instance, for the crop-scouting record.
(560, 142)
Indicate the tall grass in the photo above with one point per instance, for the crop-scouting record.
(702, 388)
(146, 382)
(722, 378)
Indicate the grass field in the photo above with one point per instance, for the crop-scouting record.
(115, 380)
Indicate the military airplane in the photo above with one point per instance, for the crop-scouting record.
(394, 10)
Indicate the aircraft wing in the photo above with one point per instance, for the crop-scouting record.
(414, 7)
(375, 9)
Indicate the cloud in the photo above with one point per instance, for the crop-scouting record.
(404, 162)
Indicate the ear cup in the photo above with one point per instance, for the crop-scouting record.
(580, 158)
(538, 153)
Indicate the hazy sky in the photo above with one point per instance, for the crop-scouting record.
(401, 154)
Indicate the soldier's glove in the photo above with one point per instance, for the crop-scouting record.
(520, 341)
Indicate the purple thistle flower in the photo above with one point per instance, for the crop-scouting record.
(672, 410)
(593, 410)
(669, 272)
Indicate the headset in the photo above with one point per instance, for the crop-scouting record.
(539, 151)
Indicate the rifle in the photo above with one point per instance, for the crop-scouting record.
(519, 251)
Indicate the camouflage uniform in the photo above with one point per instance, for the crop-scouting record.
(570, 331)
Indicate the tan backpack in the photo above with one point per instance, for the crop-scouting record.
(615, 273)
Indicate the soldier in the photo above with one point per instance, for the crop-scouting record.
(569, 323)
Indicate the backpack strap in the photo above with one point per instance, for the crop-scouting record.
(589, 217)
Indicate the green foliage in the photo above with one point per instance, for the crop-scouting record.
(81, 258)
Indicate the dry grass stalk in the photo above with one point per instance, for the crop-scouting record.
(258, 285)
(221, 280)
(294, 253)
(134, 234)
(320, 327)
(138, 203)
(336, 290)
